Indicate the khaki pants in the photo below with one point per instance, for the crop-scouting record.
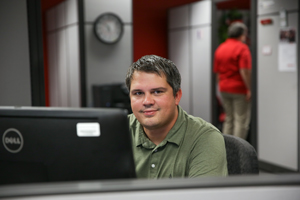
(238, 113)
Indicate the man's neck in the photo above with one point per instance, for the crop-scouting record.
(157, 135)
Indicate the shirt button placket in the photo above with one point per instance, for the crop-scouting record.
(154, 164)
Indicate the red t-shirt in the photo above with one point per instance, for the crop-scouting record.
(230, 57)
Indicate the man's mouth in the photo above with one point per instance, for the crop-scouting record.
(149, 112)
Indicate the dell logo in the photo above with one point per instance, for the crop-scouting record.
(12, 140)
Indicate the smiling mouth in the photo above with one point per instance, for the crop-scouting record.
(149, 112)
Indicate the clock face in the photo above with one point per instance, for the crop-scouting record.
(108, 28)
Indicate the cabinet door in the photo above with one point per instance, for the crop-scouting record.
(201, 71)
(179, 53)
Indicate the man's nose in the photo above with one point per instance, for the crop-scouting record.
(148, 100)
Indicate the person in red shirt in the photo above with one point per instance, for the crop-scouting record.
(232, 64)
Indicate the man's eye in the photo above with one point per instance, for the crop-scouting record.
(157, 92)
(137, 93)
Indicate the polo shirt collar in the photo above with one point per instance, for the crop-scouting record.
(232, 40)
(174, 136)
(143, 140)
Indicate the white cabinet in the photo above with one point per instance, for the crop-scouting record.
(190, 50)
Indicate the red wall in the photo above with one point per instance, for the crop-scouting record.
(150, 26)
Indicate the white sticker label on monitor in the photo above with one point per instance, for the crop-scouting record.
(88, 129)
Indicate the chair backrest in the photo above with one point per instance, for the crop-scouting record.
(241, 156)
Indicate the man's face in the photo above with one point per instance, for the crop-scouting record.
(152, 100)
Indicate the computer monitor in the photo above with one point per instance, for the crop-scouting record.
(44, 144)
(114, 95)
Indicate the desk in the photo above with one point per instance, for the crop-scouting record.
(254, 187)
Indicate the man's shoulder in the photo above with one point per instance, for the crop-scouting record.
(203, 134)
(197, 125)
(243, 46)
(132, 120)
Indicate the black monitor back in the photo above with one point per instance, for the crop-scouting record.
(63, 144)
(114, 95)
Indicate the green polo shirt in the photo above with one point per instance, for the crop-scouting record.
(192, 148)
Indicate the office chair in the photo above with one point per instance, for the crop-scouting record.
(241, 156)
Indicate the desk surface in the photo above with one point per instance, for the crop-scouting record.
(276, 184)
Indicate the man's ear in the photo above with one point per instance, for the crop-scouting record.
(178, 96)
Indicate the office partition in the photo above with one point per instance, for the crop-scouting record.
(277, 84)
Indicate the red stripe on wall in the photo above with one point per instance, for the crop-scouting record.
(46, 5)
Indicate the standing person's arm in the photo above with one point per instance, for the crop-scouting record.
(246, 75)
(245, 65)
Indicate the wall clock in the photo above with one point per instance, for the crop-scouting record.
(108, 28)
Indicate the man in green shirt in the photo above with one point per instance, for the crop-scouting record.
(167, 142)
